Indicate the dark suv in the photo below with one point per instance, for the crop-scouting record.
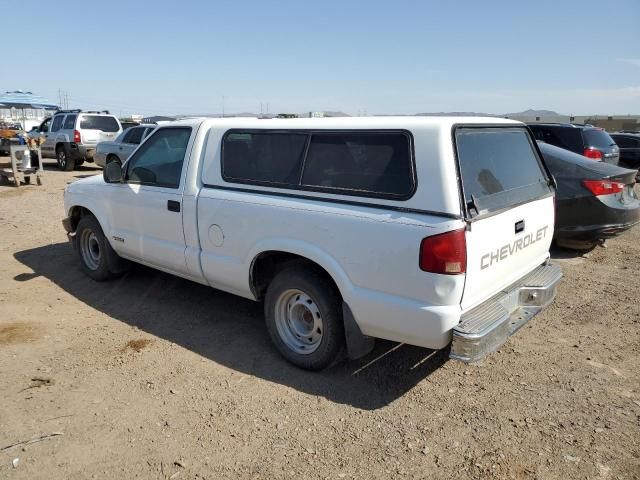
(629, 144)
(592, 142)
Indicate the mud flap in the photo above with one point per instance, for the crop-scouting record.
(358, 345)
(115, 263)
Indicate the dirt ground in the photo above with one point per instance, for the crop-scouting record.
(151, 376)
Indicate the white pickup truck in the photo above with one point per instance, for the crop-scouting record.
(427, 231)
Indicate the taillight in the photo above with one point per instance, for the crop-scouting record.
(445, 253)
(603, 187)
(76, 136)
(592, 153)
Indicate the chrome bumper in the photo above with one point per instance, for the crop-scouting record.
(486, 327)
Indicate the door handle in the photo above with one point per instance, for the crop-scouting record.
(520, 226)
(173, 206)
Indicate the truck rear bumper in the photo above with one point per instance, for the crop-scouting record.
(484, 328)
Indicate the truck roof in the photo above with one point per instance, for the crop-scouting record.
(344, 122)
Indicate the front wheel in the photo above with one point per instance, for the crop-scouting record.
(98, 259)
(64, 162)
(304, 318)
(112, 158)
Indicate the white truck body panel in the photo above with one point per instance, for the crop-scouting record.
(369, 246)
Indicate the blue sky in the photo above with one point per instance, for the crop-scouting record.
(572, 56)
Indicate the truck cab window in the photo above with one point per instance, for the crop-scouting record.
(159, 161)
(133, 136)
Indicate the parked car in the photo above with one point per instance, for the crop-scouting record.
(71, 136)
(592, 142)
(119, 149)
(127, 124)
(594, 200)
(346, 228)
(9, 133)
(629, 144)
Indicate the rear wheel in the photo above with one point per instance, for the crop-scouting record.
(304, 318)
(64, 161)
(98, 259)
(113, 158)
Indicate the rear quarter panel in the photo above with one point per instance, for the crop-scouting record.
(372, 255)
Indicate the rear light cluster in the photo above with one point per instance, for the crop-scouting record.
(445, 253)
(592, 153)
(76, 136)
(603, 187)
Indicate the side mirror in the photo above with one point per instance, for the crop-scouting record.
(112, 172)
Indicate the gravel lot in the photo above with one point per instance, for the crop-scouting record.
(151, 376)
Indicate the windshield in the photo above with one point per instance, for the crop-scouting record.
(499, 168)
(596, 138)
(99, 122)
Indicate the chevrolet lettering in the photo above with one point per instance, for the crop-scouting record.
(521, 243)
(345, 229)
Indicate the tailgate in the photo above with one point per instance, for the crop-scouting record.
(509, 204)
(505, 247)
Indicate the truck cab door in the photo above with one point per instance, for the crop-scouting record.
(146, 209)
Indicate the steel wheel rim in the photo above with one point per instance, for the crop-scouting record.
(299, 321)
(90, 249)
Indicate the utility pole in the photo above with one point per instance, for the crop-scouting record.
(223, 106)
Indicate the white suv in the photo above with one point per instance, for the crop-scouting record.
(71, 136)
(426, 231)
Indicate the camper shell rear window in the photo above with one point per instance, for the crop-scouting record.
(499, 168)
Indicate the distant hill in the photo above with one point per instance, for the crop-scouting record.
(533, 113)
(456, 114)
(526, 113)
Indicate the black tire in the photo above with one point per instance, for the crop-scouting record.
(326, 299)
(112, 158)
(98, 260)
(65, 162)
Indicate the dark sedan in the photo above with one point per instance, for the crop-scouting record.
(594, 200)
(629, 144)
